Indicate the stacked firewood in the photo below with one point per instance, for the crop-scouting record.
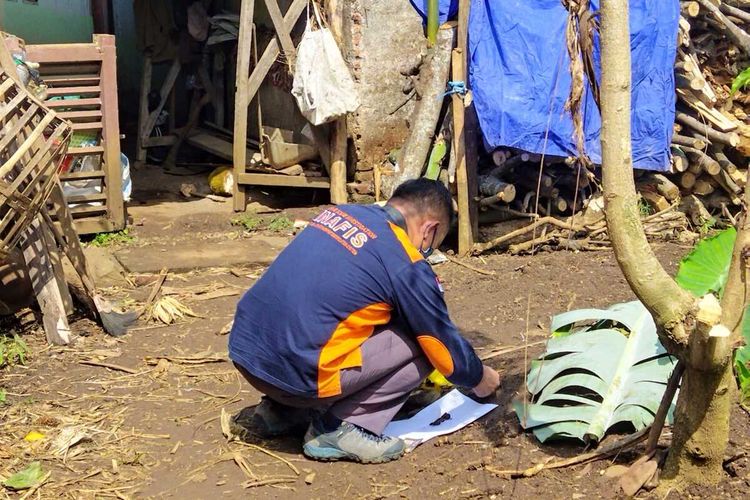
(514, 179)
(710, 145)
(711, 140)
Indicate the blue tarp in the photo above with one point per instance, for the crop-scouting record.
(520, 79)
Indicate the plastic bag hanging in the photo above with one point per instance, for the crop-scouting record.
(323, 86)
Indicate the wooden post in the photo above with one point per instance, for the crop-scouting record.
(463, 141)
(242, 101)
(142, 136)
(46, 282)
(338, 128)
(111, 130)
(465, 238)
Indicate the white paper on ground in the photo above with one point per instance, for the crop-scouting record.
(417, 429)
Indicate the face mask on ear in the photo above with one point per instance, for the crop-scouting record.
(426, 253)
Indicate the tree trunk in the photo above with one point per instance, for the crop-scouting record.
(686, 327)
(433, 79)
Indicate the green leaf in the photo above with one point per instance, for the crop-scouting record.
(705, 269)
(740, 81)
(594, 376)
(2, 396)
(27, 478)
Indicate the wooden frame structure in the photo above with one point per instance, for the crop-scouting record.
(147, 119)
(248, 85)
(82, 80)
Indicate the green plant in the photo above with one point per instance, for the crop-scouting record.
(13, 351)
(740, 81)
(707, 226)
(644, 208)
(109, 239)
(249, 222)
(705, 270)
(601, 368)
(3, 396)
(280, 223)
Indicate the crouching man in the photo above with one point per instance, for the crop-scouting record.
(348, 320)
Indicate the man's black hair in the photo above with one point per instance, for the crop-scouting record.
(426, 195)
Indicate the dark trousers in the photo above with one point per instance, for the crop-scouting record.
(393, 365)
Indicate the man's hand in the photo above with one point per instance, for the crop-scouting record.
(489, 383)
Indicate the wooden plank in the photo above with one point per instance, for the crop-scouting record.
(87, 210)
(284, 180)
(282, 33)
(86, 126)
(80, 90)
(215, 145)
(74, 103)
(68, 80)
(57, 269)
(45, 284)
(87, 198)
(94, 225)
(165, 140)
(111, 131)
(89, 150)
(92, 114)
(242, 101)
(79, 176)
(146, 75)
(64, 53)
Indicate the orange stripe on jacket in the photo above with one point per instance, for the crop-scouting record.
(439, 356)
(403, 238)
(343, 348)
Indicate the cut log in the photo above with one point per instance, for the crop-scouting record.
(660, 184)
(657, 201)
(703, 187)
(690, 9)
(560, 204)
(731, 30)
(730, 139)
(702, 160)
(499, 157)
(724, 162)
(687, 180)
(725, 181)
(433, 78)
(492, 186)
(691, 142)
(729, 10)
(680, 161)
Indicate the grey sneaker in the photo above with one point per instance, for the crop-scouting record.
(350, 442)
(270, 419)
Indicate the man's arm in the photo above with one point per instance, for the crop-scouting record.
(420, 301)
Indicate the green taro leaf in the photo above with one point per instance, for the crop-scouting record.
(593, 377)
(740, 81)
(705, 269)
(27, 478)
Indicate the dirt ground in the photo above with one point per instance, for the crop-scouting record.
(151, 428)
